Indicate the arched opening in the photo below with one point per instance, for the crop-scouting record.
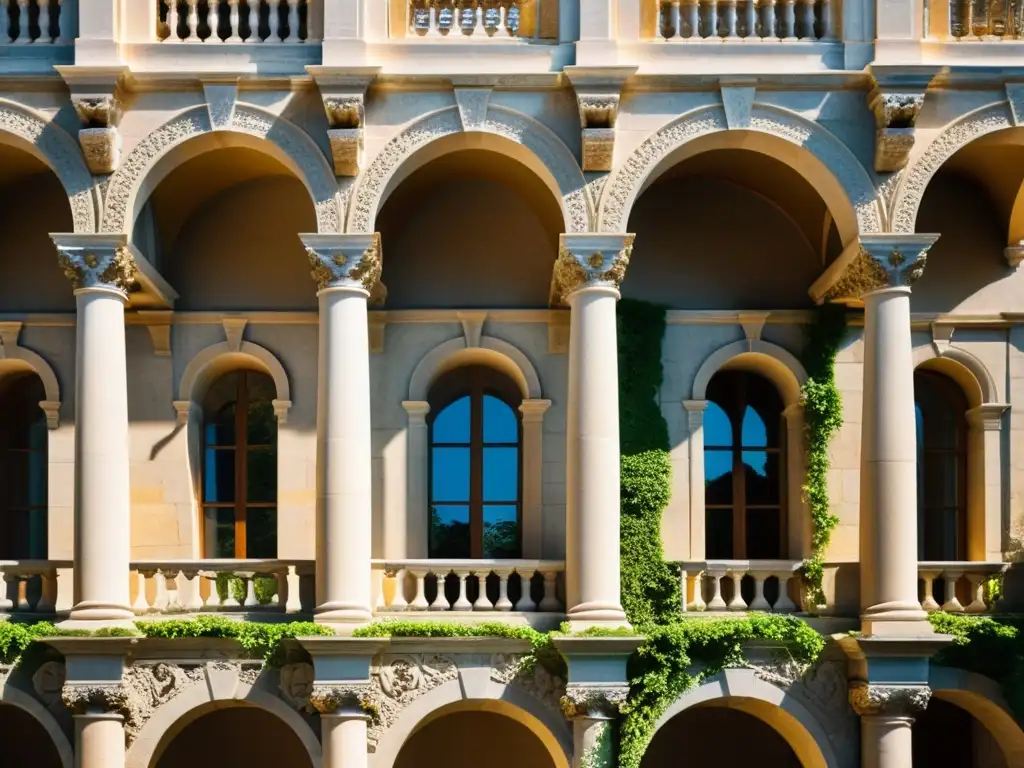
(715, 733)
(25, 741)
(222, 228)
(470, 738)
(471, 228)
(947, 735)
(33, 203)
(23, 467)
(237, 735)
(238, 474)
(775, 248)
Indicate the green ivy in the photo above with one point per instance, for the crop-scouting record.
(823, 416)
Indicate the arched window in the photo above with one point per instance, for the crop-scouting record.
(742, 468)
(475, 465)
(239, 471)
(941, 409)
(23, 468)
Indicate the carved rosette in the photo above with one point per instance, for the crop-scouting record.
(895, 117)
(869, 699)
(352, 261)
(593, 701)
(344, 698)
(586, 261)
(96, 698)
(98, 267)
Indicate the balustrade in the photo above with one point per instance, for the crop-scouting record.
(439, 18)
(233, 21)
(29, 586)
(719, 585)
(957, 587)
(24, 22)
(449, 585)
(765, 20)
(978, 19)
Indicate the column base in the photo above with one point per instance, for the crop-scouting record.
(342, 613)
(596, 614)
(94, 612)
(896, 619)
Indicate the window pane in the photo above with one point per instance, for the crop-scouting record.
(37, 479)
(219, 530)
(761, 470)
(754, 433)
(717, 427)
(449, 531)
(221, 431)
(501, 474)
(718, 543)
(16, 472)
(261, 475)
(219, 475)
(501, 531)
(452, 423)
(500, 423)
(450, 476)
(260, 532)
(37, 538)
(763, 534)
(262, 423)
(939, 480)
(718, 477)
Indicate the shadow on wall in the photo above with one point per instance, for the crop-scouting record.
(24, 742)
(973, 746)
(472, 739)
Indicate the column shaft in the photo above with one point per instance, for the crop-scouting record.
(99, 741)
(417, 449)
(344, 740)
(886, 741)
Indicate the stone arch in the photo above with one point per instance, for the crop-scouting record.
(148, 163)
(218, 359)
(42, 138)
(26, 703)
(983, 699)
(961, 366)
(743, 690)
(16, 358)
(492, 352)
(957, 135)
(773, 362)
(825, 162)
(514, 134)
(222, 688)
(544, 722)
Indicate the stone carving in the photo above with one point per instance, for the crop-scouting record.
(598, 112)
(48, 682)
(575, 269)
(98, 111)
(345, 117)
(398, 680)
(347, 266)
(62, 155)
(344, 111)
(594, 701)
(149, 686)
(101, 148)
(895, 117)
(328, 699)
(124, 184)
(82, 698)
(899, 700)
(296, 684)
(533, 678)
(98, 267)
(881, 264)
(472, 104)
(627, 181)
(220, 103)
(864, 274)
(98, 106)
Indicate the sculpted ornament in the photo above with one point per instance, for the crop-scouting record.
(594, 701)
(48, 682)
(895, 117)
(899, 700)
(296, 684)
(347, 697)
(98, 268)
(533, 678)
(399, 680)
(883, 261)
(84, 699)
(590, 263)
(358, 265)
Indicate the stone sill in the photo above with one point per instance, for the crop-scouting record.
(34, 59)
(675, 57)
(245, 58)
(539, 620)
(486, 58)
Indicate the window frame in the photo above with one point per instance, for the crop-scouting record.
(475, 382)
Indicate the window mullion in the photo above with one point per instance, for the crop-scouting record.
(476, 460)
(241, 456)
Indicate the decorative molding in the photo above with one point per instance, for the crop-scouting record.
(753, 324)
(1014, 254)
(96, 262)
(97, 94)
(345, 261)
(343, 698)
(150, 686)
(343, 92)
(534, 679)
(398, 680)
(296, 684)
(896, 113)
(472, 104)
(738, 103)
(48, 683)
(182, 410)
(11, 349)
(9, 334)
(598, 91)
(234, 330)
(593, 701)
(882, 260)
(221, 99)
(95, 698)
(281, 408)
(588, 261)
(51, 410)
(899, 700)
(472, 326)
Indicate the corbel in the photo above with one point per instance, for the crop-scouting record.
(97, 94)
(158, 323)
(598, 91)
(1014, 254)
(343, 91)
(472, 326)
(378, 322)
(234, 328)
(895, 99)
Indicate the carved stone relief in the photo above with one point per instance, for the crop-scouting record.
(398, 680)
(895, 117)
(48, 683)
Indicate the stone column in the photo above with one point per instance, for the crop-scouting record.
(985, 482)
(343, 722)
(587, 276)
(533, 476)
(885, 268)
(695, 421)
(417, 448)
(346, 269)
(886, 717)
(101, 269)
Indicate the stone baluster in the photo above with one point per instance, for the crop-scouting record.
(160, 599)
(293, 22)
(419, 602)
(192, 21)
(928, 577)
(346, 269)
(886, 718)
(462, 602)
(712, 18)
(716, 603)
(6, 581)
(736, 602)
(525, 603)
(750, 18)
(192, 600)
(951, 604)
(787, 25)
(141, 604)
(825, 22)
(254, 21)
(503, 603)
(24, 31)
(550, 600)
(671, 20)
(759, 603)
(691, 16)
(213, 596)
(784, 604)
(729, 16)
(23, 604)
(102, 271)
(767, 19)
(977, 604)
(398, 601)
(274, 21)
(441, 600)
(234, 22)
(806, 26)
(172, 21)
(213, 20)
(44, 22)
(588, 272)
(249, 579)
(698, 604)
(482, 603)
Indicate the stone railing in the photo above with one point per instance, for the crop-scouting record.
(748, 20)
(472, 585)
(957, 587)
(25, 22)
(974, 21)
(456, 19)
(29, 586)
(718, 585)
(232, 21)
(190, 586)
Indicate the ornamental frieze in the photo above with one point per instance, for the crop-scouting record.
(398, 680)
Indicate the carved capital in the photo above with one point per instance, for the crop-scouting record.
(593, 701)
(343, 93)
(100, 265)
(337, 698)
(97, 94)
(894, 700)
(896, 113)
(881, 261)
(345, 261)
(589, 260)
(95, 698)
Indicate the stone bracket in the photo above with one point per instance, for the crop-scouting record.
(895, 99)
(343, 91)
(98, 95)
(158, 323)
(598, 91)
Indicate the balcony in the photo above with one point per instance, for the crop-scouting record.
(36, 34)
(958, 587)
(750, 21)
(970, 31)
(233, 21)
(741, 585)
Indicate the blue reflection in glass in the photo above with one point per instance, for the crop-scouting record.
(500, 425)
(754, 431)
(452, 423)
(716, 464)
(450, 474)
(717, 427)
(501, 474)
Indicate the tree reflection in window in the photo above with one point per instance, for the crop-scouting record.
(239, 473)
(474, 466)
(941, 407)
(23, 468)
(742, 457)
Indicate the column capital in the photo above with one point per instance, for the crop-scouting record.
(987, 416)
(877, 261)
(96, 260)
(417, 409)
(99, 698)
(345, 260)
(589, 260)
(894, 700)
(534, 410)
(593, 701)
(355, 699)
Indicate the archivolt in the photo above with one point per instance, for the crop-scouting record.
(552, 161)
(292, 146)
(47, 141)
(834, 170)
